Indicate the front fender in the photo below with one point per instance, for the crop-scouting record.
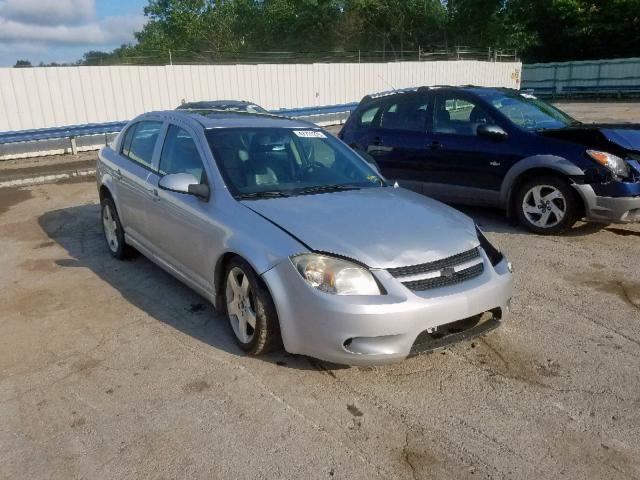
(550, 162)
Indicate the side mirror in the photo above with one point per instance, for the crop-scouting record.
(492, 131)
(184, 183)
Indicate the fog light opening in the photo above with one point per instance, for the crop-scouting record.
(347, 342)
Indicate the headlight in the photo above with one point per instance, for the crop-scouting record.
(614, 163)
(334, 275)
(495, 255)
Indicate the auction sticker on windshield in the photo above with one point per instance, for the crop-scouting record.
(309, 134)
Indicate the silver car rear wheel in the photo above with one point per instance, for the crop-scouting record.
(240, 305)
(110, 228)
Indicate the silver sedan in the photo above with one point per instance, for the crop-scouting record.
(296, 239)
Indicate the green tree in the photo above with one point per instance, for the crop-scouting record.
(22, 64)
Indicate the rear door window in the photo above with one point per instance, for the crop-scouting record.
(405, 113)
(126, 143)
(368, 116)
(142, 143)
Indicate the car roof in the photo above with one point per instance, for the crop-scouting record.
(467, 88)
(217, 103)
(209, 119)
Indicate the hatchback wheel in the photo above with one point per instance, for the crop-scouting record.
(250, 310)
(112, 229)
(547, 205)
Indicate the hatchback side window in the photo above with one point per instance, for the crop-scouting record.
(368, 116)
(459, 116)
(143, 142)
(180, 155)
(409, 114)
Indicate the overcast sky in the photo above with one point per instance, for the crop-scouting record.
(62, 30)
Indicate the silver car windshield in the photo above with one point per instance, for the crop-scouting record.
(530, 113)
(266, 162)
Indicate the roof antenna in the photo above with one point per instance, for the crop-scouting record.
(385, 81)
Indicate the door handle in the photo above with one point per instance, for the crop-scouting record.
(154, 194)
(436, 145)
(117, 174)
(376, 141)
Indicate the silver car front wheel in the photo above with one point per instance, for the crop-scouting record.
(240, 305)
(250, 309)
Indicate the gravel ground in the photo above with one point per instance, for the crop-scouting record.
(115, 370)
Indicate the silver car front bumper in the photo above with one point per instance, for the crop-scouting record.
(366, 330)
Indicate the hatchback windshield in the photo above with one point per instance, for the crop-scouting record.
(530, 113)
(263, 162)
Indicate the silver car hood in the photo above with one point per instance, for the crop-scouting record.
(380, 227)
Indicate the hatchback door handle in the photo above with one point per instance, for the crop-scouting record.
(436, 145)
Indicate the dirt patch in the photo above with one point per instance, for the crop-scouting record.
(629, 292)
(85, 365)
(12, 196)
(623, 232)
(23, 231)
(38, 265)
(196, 386)
(355, 411)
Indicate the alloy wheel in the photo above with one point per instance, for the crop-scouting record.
(110, 228)
(240, 305)
(544, 206)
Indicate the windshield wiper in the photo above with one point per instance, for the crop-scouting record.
(325, 189)
(259, 195)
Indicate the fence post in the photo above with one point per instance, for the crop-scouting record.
(74, 147)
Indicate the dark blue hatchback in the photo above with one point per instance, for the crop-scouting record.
(503, 148)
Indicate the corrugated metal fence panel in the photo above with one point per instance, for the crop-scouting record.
(33, 98)
(596, 75)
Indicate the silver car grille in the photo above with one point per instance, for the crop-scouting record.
(441, 273)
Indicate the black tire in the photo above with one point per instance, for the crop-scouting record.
(117, 246)
(265, 337)
(568, 203)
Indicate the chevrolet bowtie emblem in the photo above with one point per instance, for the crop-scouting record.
(447, 272)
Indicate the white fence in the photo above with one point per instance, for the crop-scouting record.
(57, 96)
(593, 76)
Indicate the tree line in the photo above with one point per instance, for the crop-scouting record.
(539, 30)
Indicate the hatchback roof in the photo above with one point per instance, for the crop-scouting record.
(470, 88)
(221, 119)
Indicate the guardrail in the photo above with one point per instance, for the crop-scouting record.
(73, 131)
(568, 90)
